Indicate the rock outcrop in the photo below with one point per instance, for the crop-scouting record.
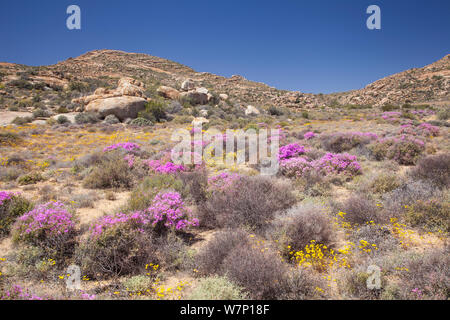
(123, 102)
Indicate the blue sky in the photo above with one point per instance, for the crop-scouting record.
(310, 46)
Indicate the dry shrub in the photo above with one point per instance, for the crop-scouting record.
(435, 169)
(360, 209)
(113, 173)
(302, 224)
(212, 255)
(250, 202)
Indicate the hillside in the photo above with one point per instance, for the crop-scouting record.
(58, 84)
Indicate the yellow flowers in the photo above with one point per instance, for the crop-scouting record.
(367, 247)
(319, 257)
(151, 268)
(3, 161)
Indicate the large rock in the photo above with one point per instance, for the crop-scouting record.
(194, 97)
(223, 96)
(122, 107)
(130, 87)
(168, 92)
(188, 85)
(251, 111)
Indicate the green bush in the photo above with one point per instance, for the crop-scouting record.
(154, 111)
(433, 215)
(22, 120)
(110, 173)
(87, 117)
(62, 120)
(143, 194)
(217, 288)
(140, 122)
(385, 183)
(30, 178)
(10, 210)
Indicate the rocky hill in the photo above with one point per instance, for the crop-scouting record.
(60, 84)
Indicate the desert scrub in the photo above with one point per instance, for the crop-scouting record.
(385, 182)
(30, 178)
(85, 118)
(405, 150)
(435, 169)
(299, 225)
(248, 201)
(50, 226)
(432, 214)
(12, 206)
(117, 245)
(154, 111)
(143, 194)
(140, 122)
(217, 288)
(112, 172)
(9, 139)
(360, 209)
(345, 141)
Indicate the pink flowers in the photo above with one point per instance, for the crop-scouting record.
(290, 151)
(222, 181)
(309, 135)
(136, 220)
(329, 164)
(16, 292)
(127, 146)
(168, 209)
(167, 168)
(47, 220)
(424, 129)
(5, 196)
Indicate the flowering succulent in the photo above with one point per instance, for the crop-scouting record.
(16, 292)
(222, 181)
(309, 135)
(127, 146)
(45, 221)
(168, 209)
(136, 220)
(424, 129)
(167, 168)
(5, 196)
(290, 151)
(329, 164)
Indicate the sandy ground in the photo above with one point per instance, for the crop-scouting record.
(7, 116)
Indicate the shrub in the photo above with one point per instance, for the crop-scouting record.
(251, 202)
(212, 255)
(62, 120)
(126, 146)
(30, 178)
(111, 119)
(435, 169)
(274, 111)
(433, 215)
(360, 209)
(110, 173)
(428, 276)
(444, 114)
(140, 122)
(168, 212)
(41, 113)
(22, 120)
(385, 182)
(404, 150)
(154, 111)
(49, 226)
(143, 194)
(196, 183)
(217, 288)
(340, 142)
(137, 284)
(291, 151)
(9, 138)
(301, 224)
(262, 274)
(381, 236)
(12, 206)
(117, 245)
(87, 117)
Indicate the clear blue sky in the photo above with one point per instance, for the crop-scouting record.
(310, 46)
